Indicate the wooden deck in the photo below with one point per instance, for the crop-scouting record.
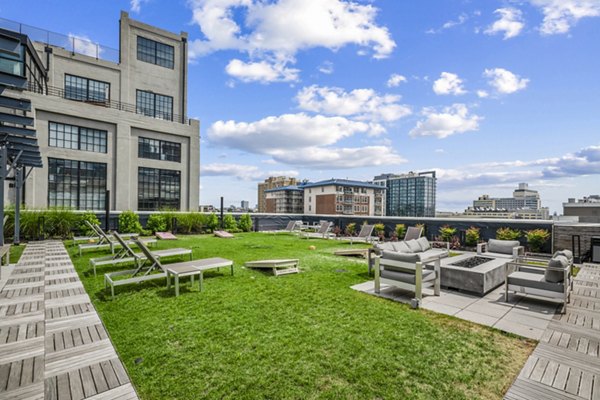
(52, 342)
(566, 362)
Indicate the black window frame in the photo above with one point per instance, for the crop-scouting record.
(164, 149)
(162, 184)
(81, 131)
(87, 97)
(78, 194)
(154, 52)
(149, 108)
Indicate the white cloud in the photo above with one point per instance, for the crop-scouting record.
(482, 94)
(288, 131)
(504, 81)
(284, 27)
(136, 5)
(561, 15)
(83, 45)
(241, 172)
(261, 71)
(448, 83)
(340, 158)
(326, 68)
(462, 18)
(395, 80)
(362, 104)
(583, 162)
(450, 121)
(510, 23)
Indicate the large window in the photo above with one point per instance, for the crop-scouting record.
(76, 137)
(159, 149)
(155, 52)
(84, 89)
(76, 184)
(154, 105)
(158, 189)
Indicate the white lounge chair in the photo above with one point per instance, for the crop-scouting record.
(126, 254)
(322, 233)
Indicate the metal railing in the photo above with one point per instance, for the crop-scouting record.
(74, 43)
(117, 105)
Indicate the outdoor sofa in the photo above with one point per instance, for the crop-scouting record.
(501, 249)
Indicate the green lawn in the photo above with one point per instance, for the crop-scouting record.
(302, 336)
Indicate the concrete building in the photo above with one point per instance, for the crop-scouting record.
(285, 200)
(524, 204)
(117, 125)
(409, 195)
(272, 183)
(245, 205)
(341, 196)
(586, 209)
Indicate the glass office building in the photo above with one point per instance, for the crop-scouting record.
(409, 195)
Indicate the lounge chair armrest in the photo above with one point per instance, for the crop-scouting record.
(481, 248)
(518, 251)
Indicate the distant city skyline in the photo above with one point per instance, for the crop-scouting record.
(487, 94)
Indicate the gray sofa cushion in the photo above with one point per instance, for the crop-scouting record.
(424, 243)
(402, 247)
(402, 257)
(502, 246)
(556, 275)
(567, 253)
(433, 253)
(533, 280)
(406, 277)
(388, 246)
(413, 245)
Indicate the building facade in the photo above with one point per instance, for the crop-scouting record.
(586, 209)
(409, 195)
(524, 204)
(346, 197)
(119, 126)
(272, 183)
(285, 200)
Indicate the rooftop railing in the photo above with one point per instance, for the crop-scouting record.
(74, 43)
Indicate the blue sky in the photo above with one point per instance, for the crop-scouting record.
(487, 93)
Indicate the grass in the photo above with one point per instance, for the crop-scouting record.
(15, 253)
(302, 336)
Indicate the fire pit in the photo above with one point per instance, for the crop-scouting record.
(471, 262)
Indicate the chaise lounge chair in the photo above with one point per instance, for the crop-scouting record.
(365, 235)
(292, 227)
(107, 242)
(144, 272)
(96, 235)
(322, 233)
(126, 254)
(413, 233)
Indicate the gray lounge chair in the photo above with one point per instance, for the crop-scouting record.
(96, 235)
(365, 235)
(322, 233)
(107, 242)
(413, 232)
(126, 254)
(292, 227)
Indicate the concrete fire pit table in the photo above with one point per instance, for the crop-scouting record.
(479, 279)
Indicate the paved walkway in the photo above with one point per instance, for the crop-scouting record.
(566, 362)
(52, 342)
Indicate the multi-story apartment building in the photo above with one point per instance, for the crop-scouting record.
(114, 125)
(341, 196)
(409, 195)
(272, 183)
(587, 209)
(285, 200)
(525, 204)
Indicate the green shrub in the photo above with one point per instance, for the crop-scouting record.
(212, 222)
(89, 217)
(245, 223)
(536, 239)
(400, 231)
(190, 222)
(350, 229)
(379, 230)
(156, 223)
(129, 222)
(229, 223)
(508, 234)
(447, 232)
(472, 236)
(60, 222)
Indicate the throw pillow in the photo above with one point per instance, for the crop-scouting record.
(401, 247)
(424, 243)
(556, 275)
(414, 246)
